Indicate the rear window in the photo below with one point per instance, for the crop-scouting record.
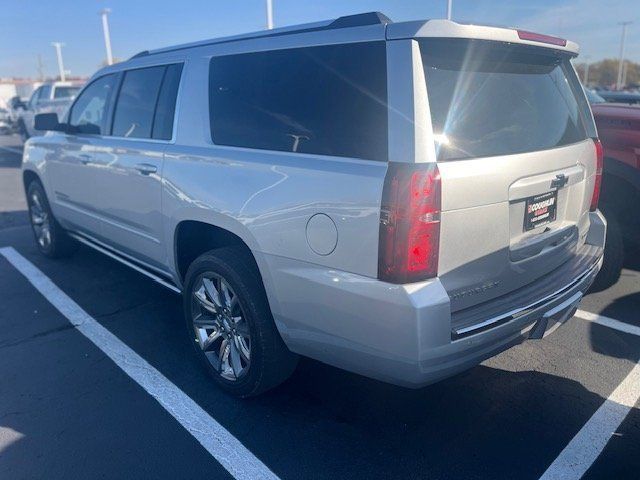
(65, 92)
(488, 98)
(166, 106)
(45, 92)
(136, 102)
(328, 100)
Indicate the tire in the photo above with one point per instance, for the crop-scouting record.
(51, 239)
(613, 256)
(239, 316)
(24, 134)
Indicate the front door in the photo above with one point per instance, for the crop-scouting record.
(74, 171)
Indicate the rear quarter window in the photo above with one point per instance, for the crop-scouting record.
(328, 100)
(489, 98)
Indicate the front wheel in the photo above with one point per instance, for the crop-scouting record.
(24, 133)
(50, 237)
(230, 324)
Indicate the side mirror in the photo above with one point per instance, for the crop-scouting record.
(48, 122)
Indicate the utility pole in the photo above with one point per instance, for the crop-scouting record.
(107, 37)
(40, 68)
(269, 14)
(621, 60)
(449, 6)
(58, 46)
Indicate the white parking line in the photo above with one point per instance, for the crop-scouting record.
(608, 322)
(590, 441)
(12, 150)
(586, 446)
(221, 444)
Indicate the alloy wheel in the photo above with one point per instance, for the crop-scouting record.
(220, 327)
(40, 219)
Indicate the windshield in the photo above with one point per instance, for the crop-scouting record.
(489, 98)
(65, 92)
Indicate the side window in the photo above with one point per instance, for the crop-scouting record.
(89, 112)
(34, 97)
(136, 102)
(163, 122)
(45, 93)
(65, 92)
(328, 100)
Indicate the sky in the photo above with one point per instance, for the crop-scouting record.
(27, 27)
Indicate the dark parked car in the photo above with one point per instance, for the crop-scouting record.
(620, 97)
(619, 130)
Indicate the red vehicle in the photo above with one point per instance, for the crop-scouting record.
(619, 131)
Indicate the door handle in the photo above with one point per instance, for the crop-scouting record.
(146, 168)
(85, 159)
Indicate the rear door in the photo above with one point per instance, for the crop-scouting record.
(512, 133)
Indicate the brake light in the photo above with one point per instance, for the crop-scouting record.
(598, 177)
(409, 223)
(539, 37)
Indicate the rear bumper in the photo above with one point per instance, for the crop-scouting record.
(532, 322)
(403, 334)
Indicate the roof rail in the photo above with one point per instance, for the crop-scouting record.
(358, 20)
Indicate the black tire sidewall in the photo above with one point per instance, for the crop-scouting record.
(613, 255)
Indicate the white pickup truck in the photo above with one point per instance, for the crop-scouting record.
(51, 97)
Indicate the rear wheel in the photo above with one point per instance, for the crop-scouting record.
(613, 256)
(230, 324)
(51, 238)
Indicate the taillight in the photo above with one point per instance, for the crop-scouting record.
(409, 223)
(598, 178)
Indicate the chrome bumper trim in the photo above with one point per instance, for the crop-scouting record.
(518, 312)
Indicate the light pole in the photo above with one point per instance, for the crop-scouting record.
(107, 37)
(58, 46)
(621, 60)
(269, 14)
(449, 2)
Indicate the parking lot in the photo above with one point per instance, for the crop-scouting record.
(97, 380)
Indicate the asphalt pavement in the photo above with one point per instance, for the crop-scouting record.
(71, 408)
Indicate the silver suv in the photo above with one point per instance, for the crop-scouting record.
(401, 200)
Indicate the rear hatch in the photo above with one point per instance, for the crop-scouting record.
(512, 131)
